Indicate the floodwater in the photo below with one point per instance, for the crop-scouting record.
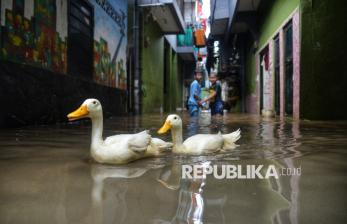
(46, 175)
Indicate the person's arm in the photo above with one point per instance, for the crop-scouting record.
(195, 92)
(197, 97)
(210, 97)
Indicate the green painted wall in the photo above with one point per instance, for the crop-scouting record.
(173, 97)
(323, 59)
(271, 16)
(168, 93)
(152, 66)
(176, 83)
(152, 71)
(250, 71)
(179, 83)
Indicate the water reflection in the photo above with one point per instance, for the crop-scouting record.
(112, 205)
(192, 202)
(190, 206)
(101, 172)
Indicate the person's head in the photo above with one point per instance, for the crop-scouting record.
(213, 77)
(198, 76)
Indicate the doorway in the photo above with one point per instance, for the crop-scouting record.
(264, 79)
(288, 57)
(261, 91)
(277, 74)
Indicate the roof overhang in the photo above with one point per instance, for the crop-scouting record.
(186, 53)
(245, 18)
(222, 13)
(167, 14)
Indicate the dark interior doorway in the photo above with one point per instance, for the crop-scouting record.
(277, 74)
(288, 57)
(261, 84)
(80, 38)
(264, 64)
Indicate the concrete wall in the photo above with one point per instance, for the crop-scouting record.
(323, 59)
(31, 96)
(152, 72)
(152, 66)
(271, 17)
(173, 98)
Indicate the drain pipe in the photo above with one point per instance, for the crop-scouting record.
(137, 75)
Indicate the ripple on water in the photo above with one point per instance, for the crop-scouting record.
(261, 138)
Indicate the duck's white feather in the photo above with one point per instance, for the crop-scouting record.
(203, 143)
(230, 139)
(200, 143)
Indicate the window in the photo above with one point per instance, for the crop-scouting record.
(80, 39)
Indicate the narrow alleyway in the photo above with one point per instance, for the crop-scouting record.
(275, 69)
(46, 175)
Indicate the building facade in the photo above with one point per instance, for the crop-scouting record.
(273, 65)
(290, 62)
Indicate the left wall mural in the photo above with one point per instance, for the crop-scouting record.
(34, 32)
(110, 42)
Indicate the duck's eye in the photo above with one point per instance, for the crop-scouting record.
(94, 102)
(175, 118)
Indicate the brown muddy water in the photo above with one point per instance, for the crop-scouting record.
(46, 175)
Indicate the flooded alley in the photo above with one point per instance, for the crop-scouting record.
(274, 69)
(47, 176)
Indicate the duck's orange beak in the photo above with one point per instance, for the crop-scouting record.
(81, 112)
(167, 126)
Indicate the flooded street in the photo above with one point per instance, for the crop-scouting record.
(46, 175)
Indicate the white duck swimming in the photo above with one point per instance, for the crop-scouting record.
(200, 143)
(117, 149)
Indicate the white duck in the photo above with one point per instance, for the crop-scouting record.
(200, 143)
(117, 149)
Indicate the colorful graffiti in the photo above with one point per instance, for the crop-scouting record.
(104, 70)
(110, 42)
(32, 40)
(35, 32)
